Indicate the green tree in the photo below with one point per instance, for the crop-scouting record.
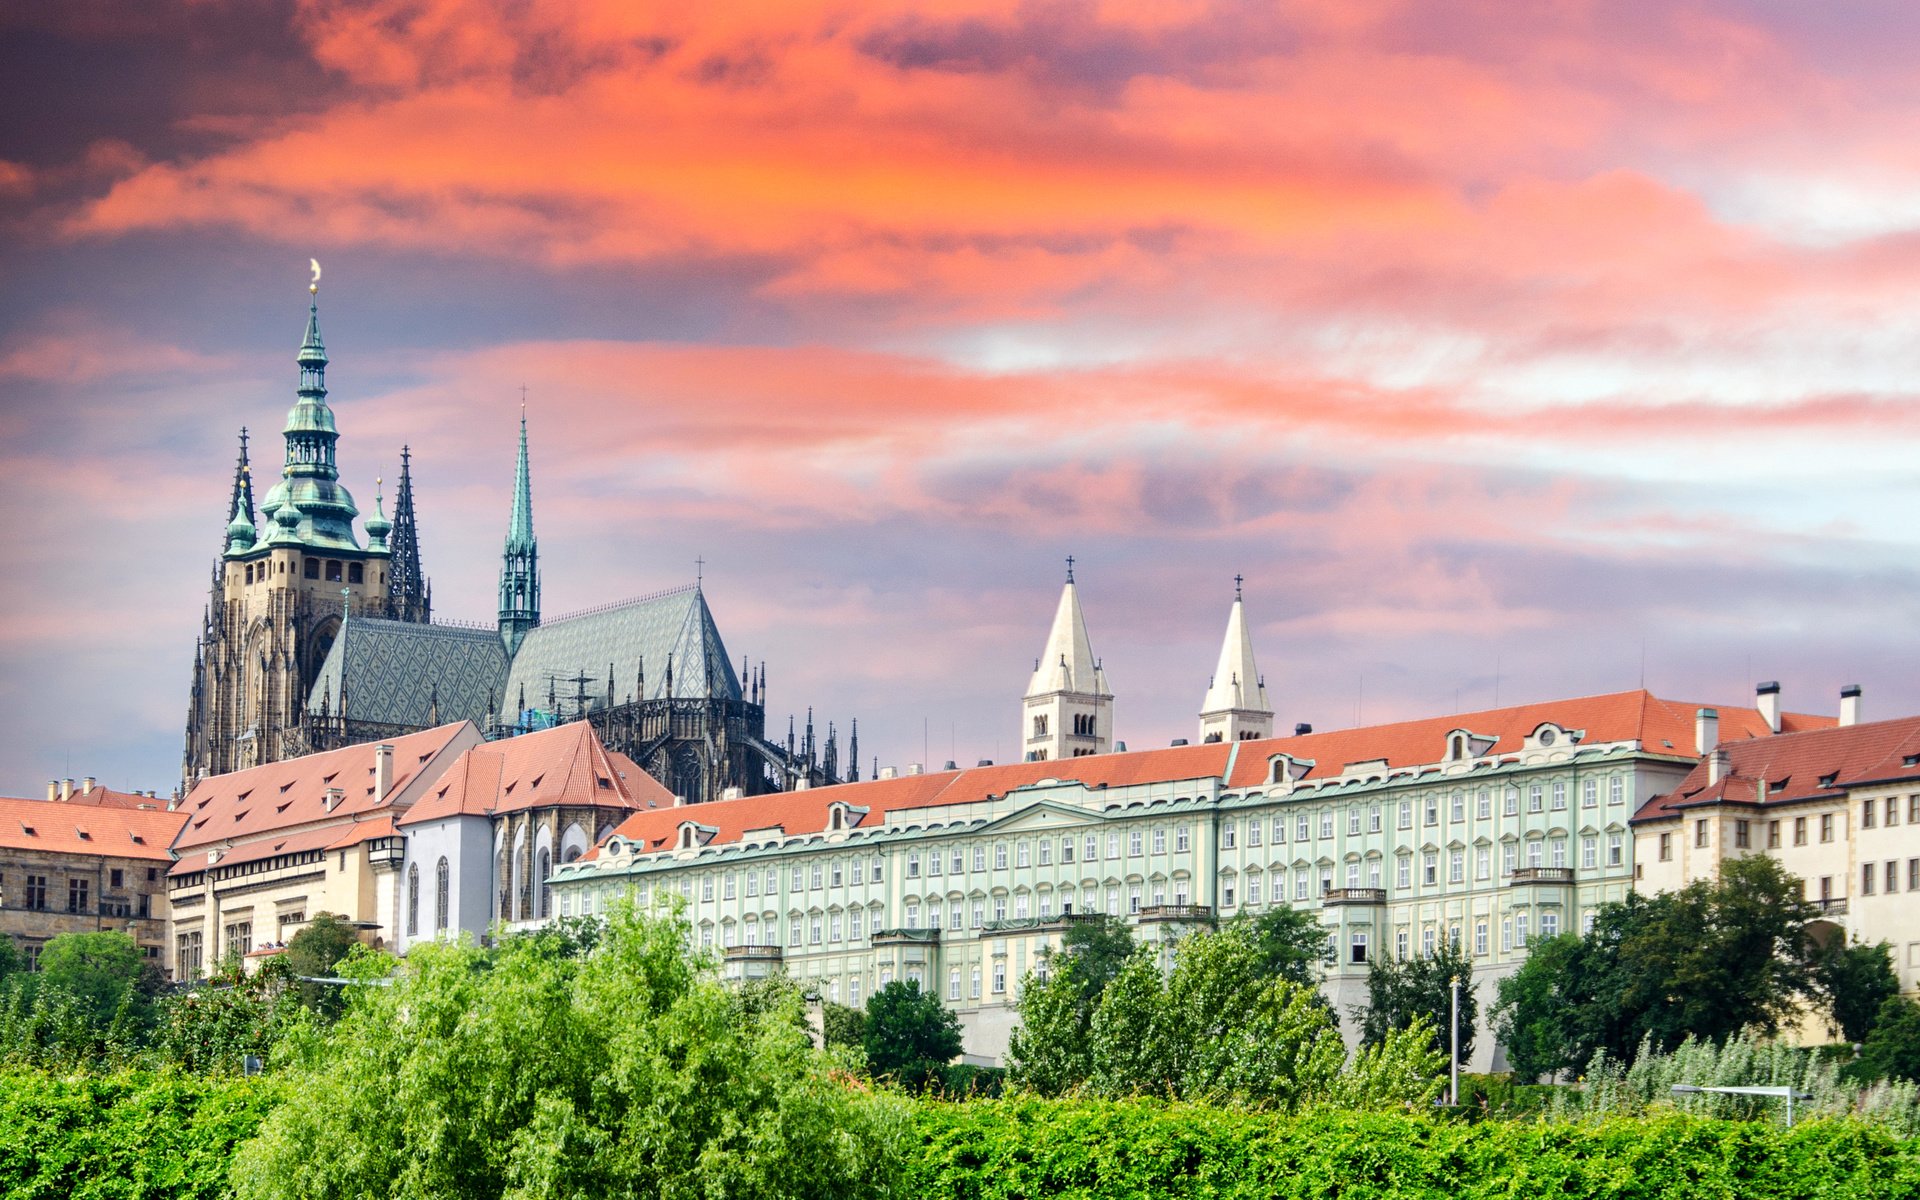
(316, 951)
(843, 1026)
(1051, 1050)
(1855, 979)
(1707, 961)
(506, 1071)
(1892, 1050)
(99, 970)
(1403, 991)
(1220, 1028)
(909, 1036)
(1292, 942)
(1101, 945)
(9, 956)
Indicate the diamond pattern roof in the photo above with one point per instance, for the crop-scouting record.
(393, 672)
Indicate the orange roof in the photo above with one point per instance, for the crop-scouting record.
(1804, 766)
(644, 788)
(1660, 726)
(64, 828)
(286, 795)
(320, 839)
(102, 797)
(565, 765)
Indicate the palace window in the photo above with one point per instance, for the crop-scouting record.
(999, 856)
(1229, 833)
(1159, 841)
(1135, 843)
(1183, 837)
(1253, 831)
(442, 884)
(1559, 794)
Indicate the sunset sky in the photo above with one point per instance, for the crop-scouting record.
(1508, 351)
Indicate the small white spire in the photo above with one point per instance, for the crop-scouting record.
(1236, 702)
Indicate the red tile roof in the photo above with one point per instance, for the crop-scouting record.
(565, 765)
(1660, 726)
(60, 827)
(286, 795)
(644, 788)
(101, 797)
(1802, 766)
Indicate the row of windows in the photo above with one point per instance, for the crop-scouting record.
(442, 886)
(1891, 871)
(1743, 834)
(39, 894)
(1870, 811)
(1515, 932)
(1371, 818)
(959, 860)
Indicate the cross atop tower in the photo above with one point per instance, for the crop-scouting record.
(1069, 568)
(1237, 580)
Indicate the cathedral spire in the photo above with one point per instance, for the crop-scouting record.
(240, 504)
(1236, 706)
(520, 563)
(407, 597)
(310, 479)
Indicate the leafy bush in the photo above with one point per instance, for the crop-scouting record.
(1083, 1149)
(530, 1071)
(127, 1136)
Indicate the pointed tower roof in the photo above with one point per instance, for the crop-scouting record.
(520, 521)
(1067, 664)
(405, 583)
(1236, 680)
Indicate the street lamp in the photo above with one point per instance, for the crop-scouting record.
(1786, 1093)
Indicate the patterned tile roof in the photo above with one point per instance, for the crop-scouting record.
(674, 625)
(59, 827)
(396, 672)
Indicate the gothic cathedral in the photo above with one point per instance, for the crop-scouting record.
(312, 640)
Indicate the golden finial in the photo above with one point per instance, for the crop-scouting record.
(313, 289)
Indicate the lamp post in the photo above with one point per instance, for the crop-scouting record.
(1786, 1093)
(1453, 1049)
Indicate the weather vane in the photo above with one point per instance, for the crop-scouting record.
(313, 289)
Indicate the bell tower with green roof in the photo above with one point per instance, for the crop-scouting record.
(520, 560)
(286, 583)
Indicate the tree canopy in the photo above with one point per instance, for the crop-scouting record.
(629, 1070)
(314, 953)
(909, 1036)
(1709, 960)
(1401, 991)
(100, 970)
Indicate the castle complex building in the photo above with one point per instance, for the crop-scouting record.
(1486, 829)
(313, 639)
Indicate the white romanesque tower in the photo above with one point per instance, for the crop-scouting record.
(1068, 711)
(1236, 707)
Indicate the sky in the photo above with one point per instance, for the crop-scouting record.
(1508, 352)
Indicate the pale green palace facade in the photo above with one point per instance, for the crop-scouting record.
(1490, 828)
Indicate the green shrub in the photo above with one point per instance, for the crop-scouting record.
(1032, 1147)
(128, 1136)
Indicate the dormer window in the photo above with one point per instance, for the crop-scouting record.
(841, 815)
(1285, 768)
(694, 835)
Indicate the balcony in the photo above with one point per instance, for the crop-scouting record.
(1833, 906)
(1176, 912)
(752, 954)
(387, 853)
(882, 937)
(1541, 875)
(1333, 896)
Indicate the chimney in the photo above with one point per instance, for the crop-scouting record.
(1706, 730)
(679, 801)
(382, 771)
(53, 790)
(985, 762)
(1719, 764)
(1850, 704)
(802, 784)
(1302, 729)
(916, 769)
(733, 793)
(86, 785)
(1766, 698)
(888, 773)
(951, 766)
(331, 800)
(66, 789)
